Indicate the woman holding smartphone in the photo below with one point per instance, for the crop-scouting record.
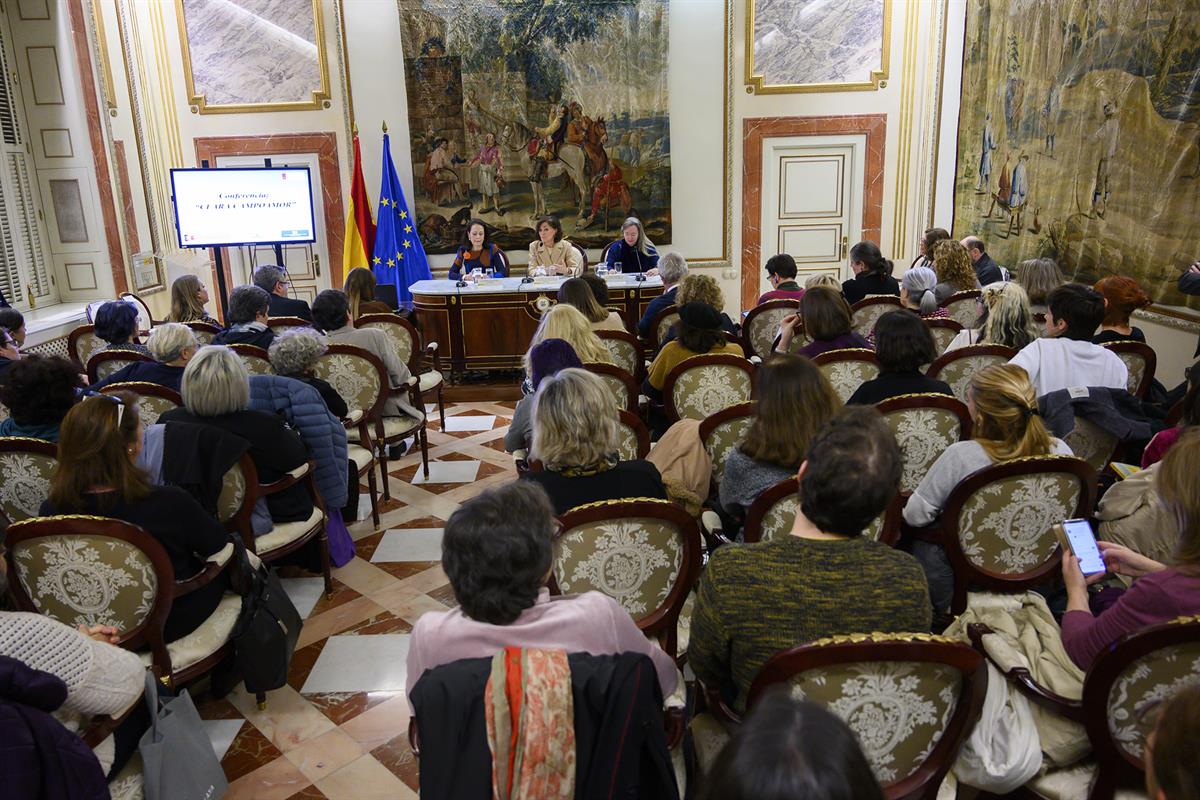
(1161, 592)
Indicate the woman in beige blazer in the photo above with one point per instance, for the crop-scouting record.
(552, 251)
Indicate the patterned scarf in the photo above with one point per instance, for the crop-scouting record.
(531, 725)
(595, 468)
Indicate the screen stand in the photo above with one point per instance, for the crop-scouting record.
(222, 287)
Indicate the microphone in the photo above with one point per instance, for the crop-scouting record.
(460, 283)
(526, 279)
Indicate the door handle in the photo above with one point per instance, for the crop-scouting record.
(317, 264)
(845, 245)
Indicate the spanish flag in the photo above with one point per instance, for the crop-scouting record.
(360, 227)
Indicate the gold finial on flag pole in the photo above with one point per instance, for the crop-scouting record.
(354, 127)
(385, 126)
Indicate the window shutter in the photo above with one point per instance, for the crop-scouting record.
(26, 212)
(10, 278)
(10, 126)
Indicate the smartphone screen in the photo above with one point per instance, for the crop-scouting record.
(1083, 545)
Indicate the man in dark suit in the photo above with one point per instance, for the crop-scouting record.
(672, 268)
(986, 269)
(273, 281)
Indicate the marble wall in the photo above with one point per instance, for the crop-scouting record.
(818, 41)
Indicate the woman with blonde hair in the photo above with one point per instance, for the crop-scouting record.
(952, 263)
(575, 439)
(1006, 426)
(823, 280)
(360, 289)
(566, 322)
(633, 252)
(188, 297)
(704, 289)
(1007, 319)
(1039, 277)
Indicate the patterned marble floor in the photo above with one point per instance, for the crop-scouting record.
(339, 729)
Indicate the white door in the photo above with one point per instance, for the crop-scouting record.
(812, 201)
(307, 264)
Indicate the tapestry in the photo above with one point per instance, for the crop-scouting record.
(520, 108)
(1079, 137)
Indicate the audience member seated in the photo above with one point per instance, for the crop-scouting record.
(795, 401)
(1005, 427)
(905, 348)
(953, 268)
(545, 359)
(188, 296)
(38, 392)
(672, 269)
(172, 345)
(1160, 593)
(825, 578)
(917, 293)
(1065, 356)
(331, 313)
(824, 280)
(1171, 769)
(216, 392)
(634, 252)
(1164, 440)
(294, 354)
(575, 438)
(1122, 296)
(274, 281)
(117, 324)
(926, 244)
(576, 292)
(566, 322)
(477, 252)
(702, 289)
(872, 274)
(552, 252)
(98, 448)
(496, 551)
(987, 271)
(1006, 319)
(360, 290)
(789, 749)
(1039, 277)
(12, 329)
(781, 274)
(247, 316)
(599, 289)
(826, 318)
(698, 333)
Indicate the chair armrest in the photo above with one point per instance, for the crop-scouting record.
(215, 564)
(756, 361)
(431, 352)
(716, 706)
(352, 419)
(287, 481)
(222, 556)
(713, 530)
(1020, 677)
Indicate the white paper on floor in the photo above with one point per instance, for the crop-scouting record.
(462, 422)
(447, 472)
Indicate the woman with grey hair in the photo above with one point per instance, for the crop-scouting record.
(249, 307)
(917, 292)
(1039, 277)
(216, 392)
(294, 354)
(633, 252)
(172, 345)
(575, 438)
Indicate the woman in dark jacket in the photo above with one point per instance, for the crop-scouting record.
(477, 252)
(872, 274)
(904, 347)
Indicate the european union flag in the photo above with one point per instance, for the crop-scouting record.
(399, 257)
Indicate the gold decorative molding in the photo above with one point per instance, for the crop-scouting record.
(907, 101)
(320, 96)
(106, 80)
(756, 83)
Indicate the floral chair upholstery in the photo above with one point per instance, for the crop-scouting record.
(1092, 443)
(619, 382)
(204, 331)
(281, 325)
(643, 553)
(255, 358)
(998, 524)
(924, 425)
(963, 307)
(866, 312)
(625, 349)
(772, 513)
(848, 369)
(761, 326)
(723, 431)
(943, 332)
(83, 343)
(1141, 361)
(958, 366)
(153, 400)
(407, 341)
(26, 466)
(106, 362)
(663, 322)
(703, 385)
(633, 439)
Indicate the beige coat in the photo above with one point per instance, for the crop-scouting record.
(613, 322)
(563, 253)
(377, 342)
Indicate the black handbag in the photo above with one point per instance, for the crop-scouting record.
(264, 636)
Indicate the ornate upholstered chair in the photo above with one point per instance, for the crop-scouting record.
(85, 570)
(723, 431)
(284, 324)
(83, 343)
(911, 699)
(848, 369)
(407, 341)
(619, 382)
(761, 326)
(943, 331)
(866, 312)
(997, 526)
(957, 367)
(205, 331)
(106, 362)
(145, 320)
(240, 490)
(1141, 360)
(1092, 443)
(924, 426)
(660, 326)
(256, 359)
(963, 307)
(26, 466)
(1120, 693)
(644, 553)
(772, 513)
(153, 400)
(362, 381)
(703, 385)
(633, 439)
(626, 351)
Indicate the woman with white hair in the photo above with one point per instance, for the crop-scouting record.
(633, 252)
(172, 345)
(216, 392)
(917, 293)
(294, 354)
(575, 439)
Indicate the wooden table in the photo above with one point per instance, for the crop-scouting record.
(489, 326)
